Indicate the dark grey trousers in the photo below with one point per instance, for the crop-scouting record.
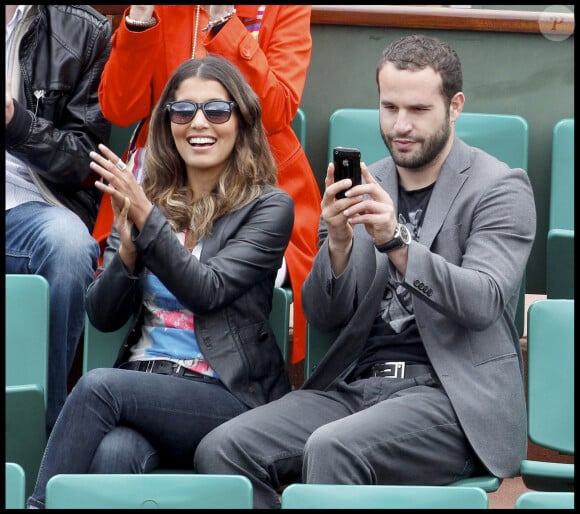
(371, 431)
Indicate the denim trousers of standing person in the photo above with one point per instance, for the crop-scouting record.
(52, 241)
(370, 431)
(138, 418)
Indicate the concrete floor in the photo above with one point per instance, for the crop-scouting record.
(505, 497)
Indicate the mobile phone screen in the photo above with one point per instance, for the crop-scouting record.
(346, 165)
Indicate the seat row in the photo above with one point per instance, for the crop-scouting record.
(235, 492)
(550, 369)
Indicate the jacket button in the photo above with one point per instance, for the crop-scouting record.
(416, 283)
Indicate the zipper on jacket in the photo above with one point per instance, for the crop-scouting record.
(39, 95)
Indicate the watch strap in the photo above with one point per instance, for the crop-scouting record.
(390, 245)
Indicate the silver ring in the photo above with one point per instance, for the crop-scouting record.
(121, 165)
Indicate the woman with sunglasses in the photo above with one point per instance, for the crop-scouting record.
(193, 256)
(271, 45)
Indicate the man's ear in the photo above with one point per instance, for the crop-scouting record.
(456, 106)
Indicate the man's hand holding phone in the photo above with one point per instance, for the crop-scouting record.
(372, 207)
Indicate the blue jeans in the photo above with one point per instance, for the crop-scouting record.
(135, 420)
(53, 242)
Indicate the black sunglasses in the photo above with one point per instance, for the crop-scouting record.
(215, 111)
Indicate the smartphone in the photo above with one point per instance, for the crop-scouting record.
(346, 165)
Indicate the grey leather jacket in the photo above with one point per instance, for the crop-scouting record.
(229, 290)
(62, 56)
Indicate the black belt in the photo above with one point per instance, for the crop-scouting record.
(396, 369)
(163, 367)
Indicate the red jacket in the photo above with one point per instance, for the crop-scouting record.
(275, 65)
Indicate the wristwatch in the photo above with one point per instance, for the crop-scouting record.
(401, 238)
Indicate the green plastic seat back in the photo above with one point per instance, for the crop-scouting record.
(102, 348)
(27, 330)
(560, 241)
(299, 126)
(15, 481)
(120, 137)
(333, 496)
(505, 136)
(488, 483)
(25, 429)
(148, 491)
(357, 128)
(26, 361)
(545, 500)
(317, 344)
(562, 176)
(550, 393)
(551, 374)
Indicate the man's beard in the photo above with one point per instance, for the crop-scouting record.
(431, 148)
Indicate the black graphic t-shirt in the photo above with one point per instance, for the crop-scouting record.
(394, 335)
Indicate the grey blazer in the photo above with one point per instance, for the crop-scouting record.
(229, 290)
(464, 274)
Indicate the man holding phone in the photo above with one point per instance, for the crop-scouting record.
(418, 270)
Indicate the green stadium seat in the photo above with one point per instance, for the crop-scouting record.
(100, 349)
(15, 483)
(299, 126)
(545, 500)
(26, 360)
(560, 243)
(333, 496)
(27, 330)
(550, 392)
(148, 491)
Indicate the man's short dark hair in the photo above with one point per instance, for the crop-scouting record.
(417, 52)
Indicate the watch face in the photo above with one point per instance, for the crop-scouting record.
(402, 237)
(405, 234)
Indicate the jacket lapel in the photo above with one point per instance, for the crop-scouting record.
(454, 173)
